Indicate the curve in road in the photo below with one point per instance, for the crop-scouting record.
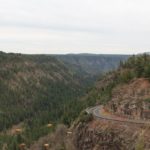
(97, 113)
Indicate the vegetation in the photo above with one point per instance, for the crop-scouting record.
(84, 117)
(139, 66)
(147, 100)
(40, 89)
(36, 90)
(90, 64)
(140, 144)
(135, 67)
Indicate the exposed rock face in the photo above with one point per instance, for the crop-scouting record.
(131, 100)
(128, 100)
(98, 135)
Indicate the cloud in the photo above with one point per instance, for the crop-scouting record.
(61, 26)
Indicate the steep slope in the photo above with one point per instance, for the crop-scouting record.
(100, 135)
(132, 75)
(35, 90)
(30, 82)
(125, 93)
(131, 100)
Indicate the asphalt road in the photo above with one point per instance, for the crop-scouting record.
(97, 113)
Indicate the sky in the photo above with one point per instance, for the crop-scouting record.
(75, 26)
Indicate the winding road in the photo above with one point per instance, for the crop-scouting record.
(98, 114)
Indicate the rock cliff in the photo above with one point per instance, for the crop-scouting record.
(100, 135)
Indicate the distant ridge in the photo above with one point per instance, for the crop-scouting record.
(91, 54)
(92, 64)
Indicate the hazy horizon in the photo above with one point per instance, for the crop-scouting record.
(74, 26)
(71, 53)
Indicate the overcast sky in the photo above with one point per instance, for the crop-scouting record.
(75, 26)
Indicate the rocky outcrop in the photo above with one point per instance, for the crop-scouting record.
(98, 135)
(131, 100)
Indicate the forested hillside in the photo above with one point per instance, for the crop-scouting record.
(125, 96)
(134, 68)
(92, 64)
(36, 90)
